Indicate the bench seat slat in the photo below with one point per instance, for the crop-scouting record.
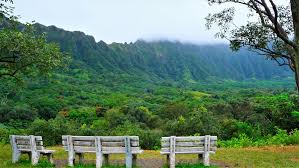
(187, 149)
(103, 138)
(105, 149)
(187, 144)
(23, 137)
(167, 153)
(106, 144)
(192, 138)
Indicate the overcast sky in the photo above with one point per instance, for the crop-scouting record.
(125, 20)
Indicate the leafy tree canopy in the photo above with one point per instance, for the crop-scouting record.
(22, 50)
(271, 30)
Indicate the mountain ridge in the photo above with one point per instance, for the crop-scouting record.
(163, 59)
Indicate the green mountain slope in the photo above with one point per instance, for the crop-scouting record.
(163, 59)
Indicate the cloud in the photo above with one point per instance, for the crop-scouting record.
(125, 20)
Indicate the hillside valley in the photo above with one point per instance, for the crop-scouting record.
(163, 60)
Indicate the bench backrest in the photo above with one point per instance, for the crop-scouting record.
(107, 144)
(26, 143)
(191, 144)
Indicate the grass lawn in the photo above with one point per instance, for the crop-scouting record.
(282, 156)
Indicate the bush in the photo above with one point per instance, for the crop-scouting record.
(293, 138)
(280, 138)
(47, 108)
(115, 118)
(84, 115)
(5, 132)
(19, 112)
(241, 141)
(52, 130)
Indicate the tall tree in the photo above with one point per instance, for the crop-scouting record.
(275, 34)
(22, 51)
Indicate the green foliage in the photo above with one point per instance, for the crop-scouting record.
(23, 53)
(21, 112)
(5, 132)
(84, 115)
(46, 107)
(52, 130)
(280, 138)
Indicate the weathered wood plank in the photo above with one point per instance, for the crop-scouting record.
(23, 137)
(105, 150)
(106, 144)
(26, 147)
(27, 142)
(165, 144)
(190, 138)
(103, 138)
(187, 149)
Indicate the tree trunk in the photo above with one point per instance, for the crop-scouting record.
(295, 16)
(297, 69)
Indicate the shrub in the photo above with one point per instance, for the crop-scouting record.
(47, 108)
(5, 132)
(53, 129)
(293, 138)
(19, 112)
(280, 138)
(84, 115)
(241, 141)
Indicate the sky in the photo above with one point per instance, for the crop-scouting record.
(127, 20)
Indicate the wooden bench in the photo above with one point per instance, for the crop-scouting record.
(102, 146)
(31, 145)
(201, 145)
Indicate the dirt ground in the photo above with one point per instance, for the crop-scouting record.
(145, 162)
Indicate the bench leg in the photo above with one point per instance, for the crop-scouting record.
(129, 159)
(206, 159)
(134, 162)
(99, 160)
(50, 158)
(106, 159)
(34, 157)
(16, 156)
(71, 159)
(172, 160)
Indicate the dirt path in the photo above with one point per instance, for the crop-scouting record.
(143, 162)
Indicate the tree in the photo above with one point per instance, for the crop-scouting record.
(22, 50)
(275, 34)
